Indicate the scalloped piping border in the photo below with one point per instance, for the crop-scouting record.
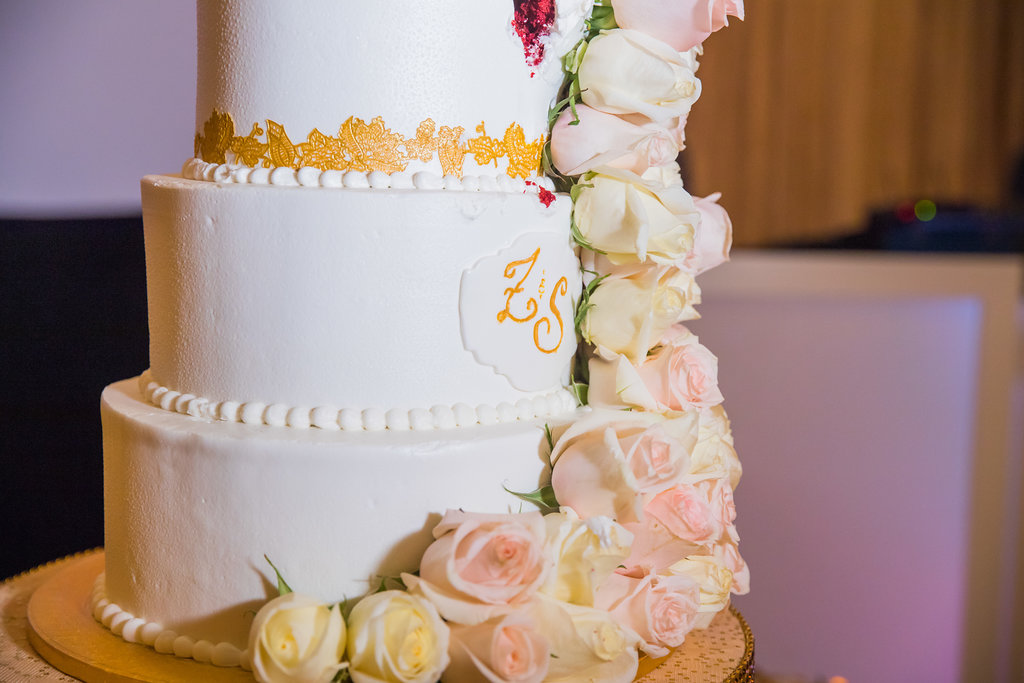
(165, 641)
(353, 419)
(309, 176)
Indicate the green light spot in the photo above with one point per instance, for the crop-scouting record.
(925, 210)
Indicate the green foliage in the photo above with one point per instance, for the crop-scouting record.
(543, 498)
(282, 586)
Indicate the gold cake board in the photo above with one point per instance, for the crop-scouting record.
(63, 631)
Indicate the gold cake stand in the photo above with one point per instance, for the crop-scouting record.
(50, 608)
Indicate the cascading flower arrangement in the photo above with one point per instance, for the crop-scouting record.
(635, 543)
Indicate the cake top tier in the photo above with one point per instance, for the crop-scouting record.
(459, 87)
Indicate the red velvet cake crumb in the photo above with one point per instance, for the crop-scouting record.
(532, 21)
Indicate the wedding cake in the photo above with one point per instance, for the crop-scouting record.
(365, 296)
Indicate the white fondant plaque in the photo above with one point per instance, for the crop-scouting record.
(517, 309)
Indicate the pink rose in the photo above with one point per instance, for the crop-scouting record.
(504, 648)
(683, 24)
(600, 139)
(713, 238)
(482, 564)
(660, 609)
(720, 500)
(729, 555)
(606, 460)
(687, 513)
(681, 373)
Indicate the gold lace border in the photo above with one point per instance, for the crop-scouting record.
(366, 147)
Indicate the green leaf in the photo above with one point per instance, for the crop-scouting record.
(282, 586)
(543, 498)
(551, 441)
(581, 390)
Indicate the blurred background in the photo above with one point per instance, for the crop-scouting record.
(870, 329)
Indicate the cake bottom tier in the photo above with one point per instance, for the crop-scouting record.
(195, 508)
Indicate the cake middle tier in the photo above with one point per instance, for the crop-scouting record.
(357, 309)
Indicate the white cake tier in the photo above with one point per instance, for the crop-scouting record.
(402, 85)
(357, 309)
(192, 506)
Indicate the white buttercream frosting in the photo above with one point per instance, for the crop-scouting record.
(307, 176)
(165, 641)
(354, 419)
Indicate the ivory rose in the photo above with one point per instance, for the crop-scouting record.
(592, 138)
(587, 644)
(714, 455)
(482, 565)
(714, 579)
(296, 638)
(683, 24)
(631, 311)
(395, 637)
(583, 554)
(633, 220)
(660, 609)
(504, 648)
(629, 72)
(604, 462)
(713, 238)
(678, 375)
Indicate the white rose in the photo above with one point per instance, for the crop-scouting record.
(395, 637)
(628, 72)
(714, 579)
(296, 638)
(584, 554)
(632, 309)
(633, 220)
(586, 643)
(714, 455)
(713, 238)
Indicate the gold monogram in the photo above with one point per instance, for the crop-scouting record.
(561, 289)
(362, 146)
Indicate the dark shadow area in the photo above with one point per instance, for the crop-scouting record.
(72, 320)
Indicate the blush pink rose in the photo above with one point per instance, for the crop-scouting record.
(681, 374)
(729, 555)
(660, 609)
(713, 238)
(720, 501)
(598, 139)
(606, 460)
(683, 24)
(504, 648)
(482, 564)
(687, 513)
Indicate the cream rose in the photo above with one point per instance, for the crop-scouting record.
(633, 220)
(631, 310)
(714, 455)
(587, 644)
(592, 139)
(482, 565)
(629, 72)
(714, 579)
(605, 461)
(395, 637)
(504, 648)
(296, 638)
(683, 24)
(660, 609)
(582, 554)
